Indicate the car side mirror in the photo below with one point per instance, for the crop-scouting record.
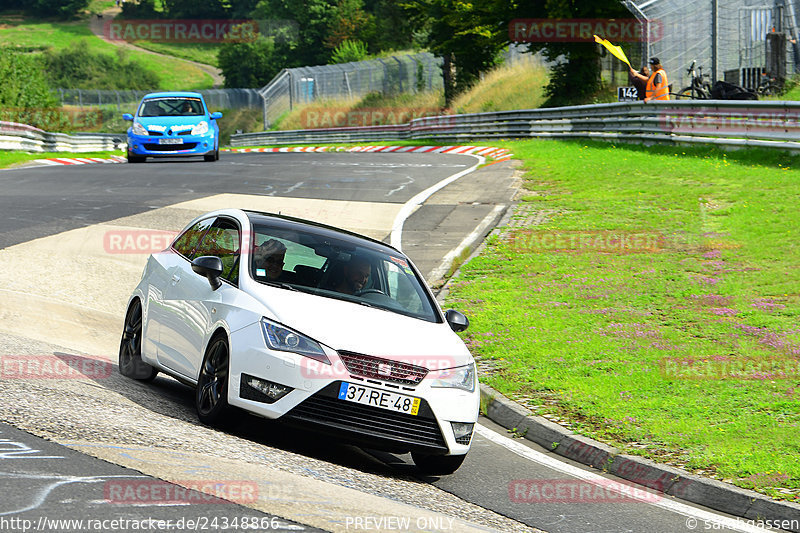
(216, 115)
(211, 267)
(457, 321)
(127, 116)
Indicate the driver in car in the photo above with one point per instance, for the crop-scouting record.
(268, 259)
(356, 274)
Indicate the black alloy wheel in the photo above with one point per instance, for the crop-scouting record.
(130, 347)
(211, 394)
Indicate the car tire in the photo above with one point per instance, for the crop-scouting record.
(130, 347)
(212, 157)
(437, 465)
(136, 158)
(211, 394)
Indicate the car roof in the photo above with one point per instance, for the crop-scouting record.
(288, 222)
(172, 94)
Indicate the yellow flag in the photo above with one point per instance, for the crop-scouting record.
(615, 50)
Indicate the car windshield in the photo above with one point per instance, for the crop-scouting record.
(171, 107)
(350, 269)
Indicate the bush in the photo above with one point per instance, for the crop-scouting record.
(25, 95)
(76, 67)
(349, 50)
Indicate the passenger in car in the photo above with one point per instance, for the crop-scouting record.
(356, 273)
(268, 260)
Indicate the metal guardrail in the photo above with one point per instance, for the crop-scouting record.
(15, 136)
(773, 124)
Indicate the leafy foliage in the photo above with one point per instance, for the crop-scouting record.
(250, 63)
(78, 68)
(25, 95)
(349, 51)
(56, 8)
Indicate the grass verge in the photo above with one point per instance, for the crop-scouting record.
(10, 159)
(683, 347)
(173, 74)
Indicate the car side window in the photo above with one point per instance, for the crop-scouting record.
(187, 242)
(223, 240)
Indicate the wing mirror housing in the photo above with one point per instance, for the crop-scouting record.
(127, 116)
(216, 115)
(457, 321)
(211, 267)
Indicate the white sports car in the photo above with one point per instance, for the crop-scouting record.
(288, 318)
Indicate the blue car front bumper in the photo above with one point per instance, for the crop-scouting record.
(177, 146)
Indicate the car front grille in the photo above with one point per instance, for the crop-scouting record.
(380, 425)
(168, 147)
(371, 367)
(465, 439)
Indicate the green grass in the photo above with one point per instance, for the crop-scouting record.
(39, 35)
(13, 158)
(688, 353)
(205, 53)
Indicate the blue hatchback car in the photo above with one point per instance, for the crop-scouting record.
(173, 124)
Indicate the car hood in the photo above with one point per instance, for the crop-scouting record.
(168, 122)
(357, 328)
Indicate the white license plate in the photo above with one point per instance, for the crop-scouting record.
(390, 401)
(170, 141)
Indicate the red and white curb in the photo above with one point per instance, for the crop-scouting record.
(498, 154)
(79, 160)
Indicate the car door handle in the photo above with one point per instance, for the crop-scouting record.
(175, 279)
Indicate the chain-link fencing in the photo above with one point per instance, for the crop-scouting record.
(128, 100)
(388, 75)
(727, 38)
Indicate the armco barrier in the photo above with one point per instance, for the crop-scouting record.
(773, 124)
(14, 136)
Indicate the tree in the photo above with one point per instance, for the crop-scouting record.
(57, 8)
(348, 22)
(250, 63)
(468, 36)
(575, 75)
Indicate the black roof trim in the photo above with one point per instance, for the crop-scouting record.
(340, 233)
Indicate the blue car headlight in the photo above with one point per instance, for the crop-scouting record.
(138, 129)
(281, 338)
(461, 377)
(201, 128)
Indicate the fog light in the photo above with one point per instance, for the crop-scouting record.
(462, 431)
(261, 390)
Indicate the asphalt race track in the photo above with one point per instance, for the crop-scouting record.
(62, 297)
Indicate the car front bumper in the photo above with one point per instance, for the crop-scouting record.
(313, 402)
(191, 145)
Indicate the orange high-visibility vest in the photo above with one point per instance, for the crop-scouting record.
(659, 91)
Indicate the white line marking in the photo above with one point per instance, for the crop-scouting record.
(590, 477)
(448, 259)
(409, 206)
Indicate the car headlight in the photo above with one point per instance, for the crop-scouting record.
(138, 129)
(281, 338)
(461, 377)
(201, 128)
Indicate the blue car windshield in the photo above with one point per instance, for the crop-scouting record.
(171, 107)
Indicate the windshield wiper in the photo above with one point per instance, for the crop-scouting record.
(280, 284)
